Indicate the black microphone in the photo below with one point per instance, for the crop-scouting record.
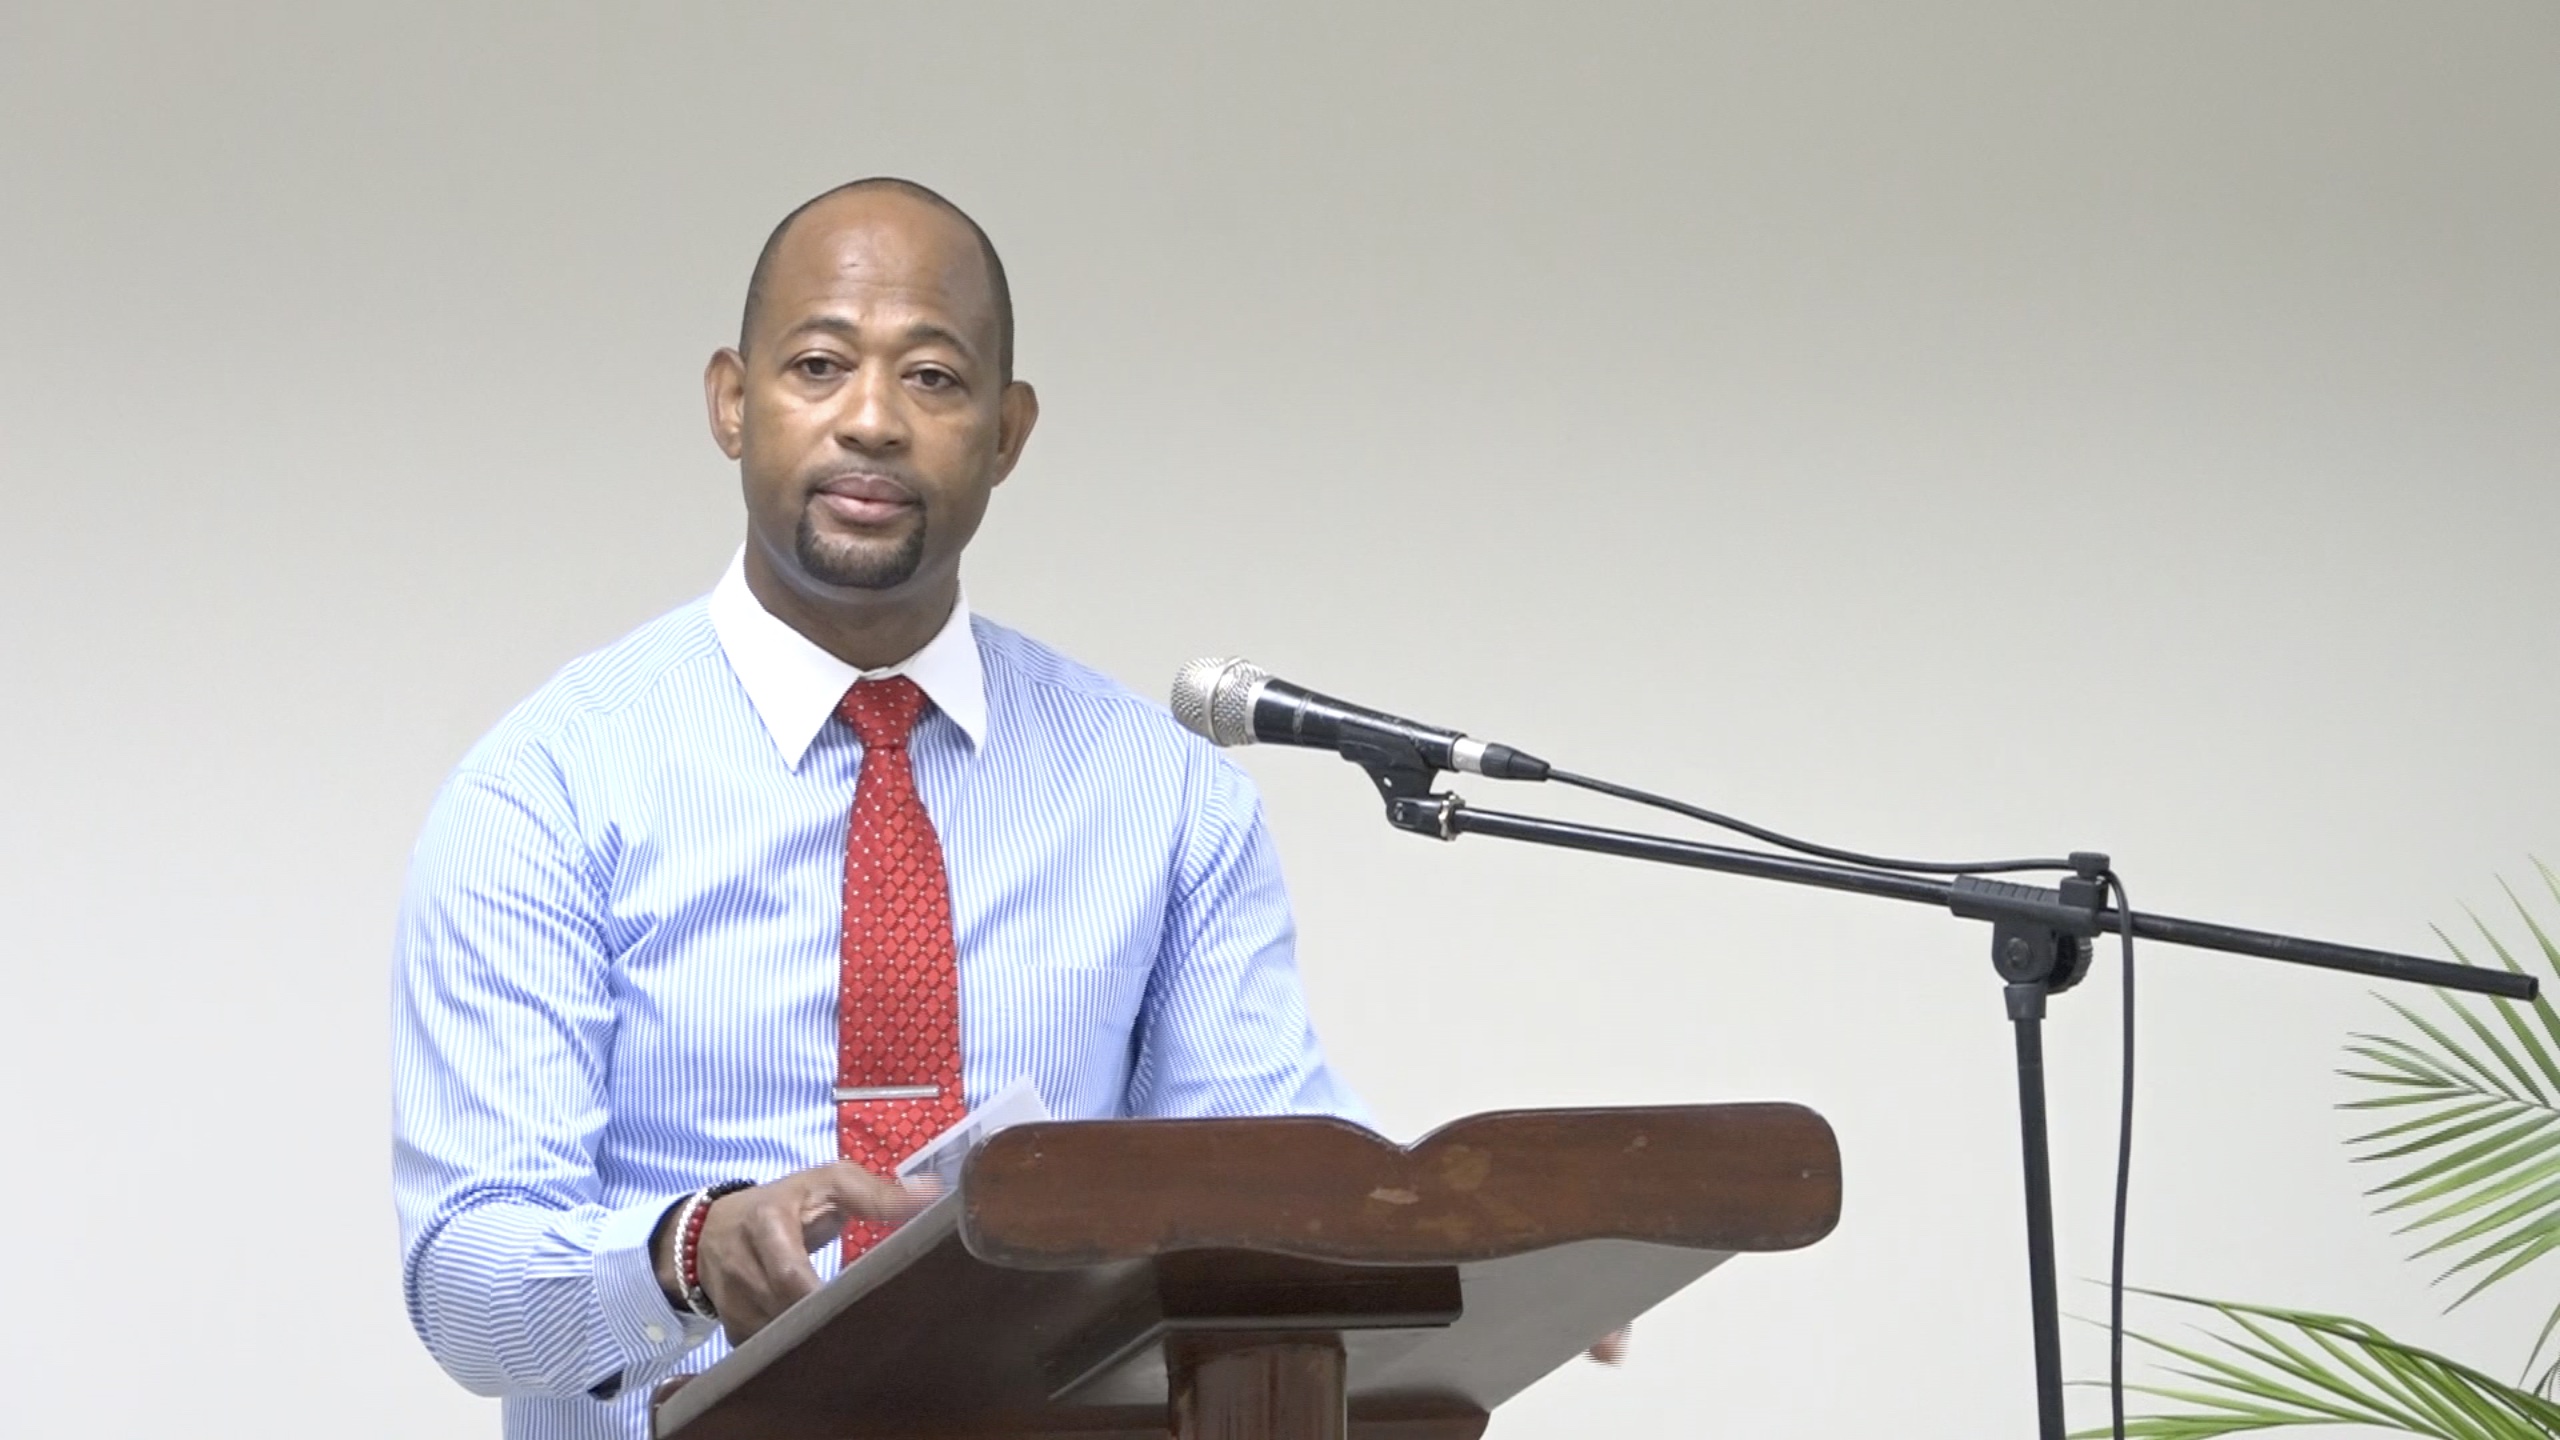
(1236, 702)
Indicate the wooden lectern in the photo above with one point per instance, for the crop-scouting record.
(1293, 1277)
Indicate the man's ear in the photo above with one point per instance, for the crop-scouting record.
(724, 395)
(1016, 414)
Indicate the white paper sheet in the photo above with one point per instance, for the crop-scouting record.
(1016, 1104)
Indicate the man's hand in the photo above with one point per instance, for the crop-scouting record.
(753, 1257)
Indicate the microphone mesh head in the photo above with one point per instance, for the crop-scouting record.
(1213, 697)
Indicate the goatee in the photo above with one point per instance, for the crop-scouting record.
(856, 566)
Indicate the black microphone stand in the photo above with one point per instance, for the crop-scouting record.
(2039, 946)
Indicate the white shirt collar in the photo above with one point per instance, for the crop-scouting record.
(795, 685)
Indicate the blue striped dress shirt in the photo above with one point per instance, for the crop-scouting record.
(616, 965)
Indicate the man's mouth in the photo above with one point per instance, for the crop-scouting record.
(864, 500)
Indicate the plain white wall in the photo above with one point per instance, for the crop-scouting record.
(1948, 429)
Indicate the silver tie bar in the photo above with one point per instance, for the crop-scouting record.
(887, 1092)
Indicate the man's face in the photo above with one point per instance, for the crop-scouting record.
(867, 414)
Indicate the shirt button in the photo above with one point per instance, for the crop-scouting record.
(655, 1331)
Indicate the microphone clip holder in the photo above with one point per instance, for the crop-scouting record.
(1404, 779)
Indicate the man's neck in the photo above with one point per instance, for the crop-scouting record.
(878, 630)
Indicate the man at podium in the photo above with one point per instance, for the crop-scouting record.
(729, 916)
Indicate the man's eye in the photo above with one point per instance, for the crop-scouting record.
(933, 377)
(816, 367)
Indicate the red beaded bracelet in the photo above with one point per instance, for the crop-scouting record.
(689, 1245)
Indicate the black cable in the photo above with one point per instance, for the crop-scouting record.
(2124, 1166)
(1804, 847)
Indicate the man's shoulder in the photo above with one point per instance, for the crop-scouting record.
(599, 695)
(1053, 691)
(1015, 660)
(1092, 734)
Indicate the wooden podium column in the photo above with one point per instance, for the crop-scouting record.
(1258, 1387)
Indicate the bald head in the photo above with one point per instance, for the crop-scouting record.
(999, 293)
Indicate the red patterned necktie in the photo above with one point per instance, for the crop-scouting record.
(898, 1003)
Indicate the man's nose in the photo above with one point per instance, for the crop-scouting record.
(873, 416)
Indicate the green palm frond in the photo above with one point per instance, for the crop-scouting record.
(2294, 1367)
(2473, 1105)
(2467, 1121)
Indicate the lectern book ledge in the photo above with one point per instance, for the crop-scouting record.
(1143, 1277)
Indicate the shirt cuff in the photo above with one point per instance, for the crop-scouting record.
(650, 1333)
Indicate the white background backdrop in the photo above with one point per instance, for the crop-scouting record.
(1944, 429)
